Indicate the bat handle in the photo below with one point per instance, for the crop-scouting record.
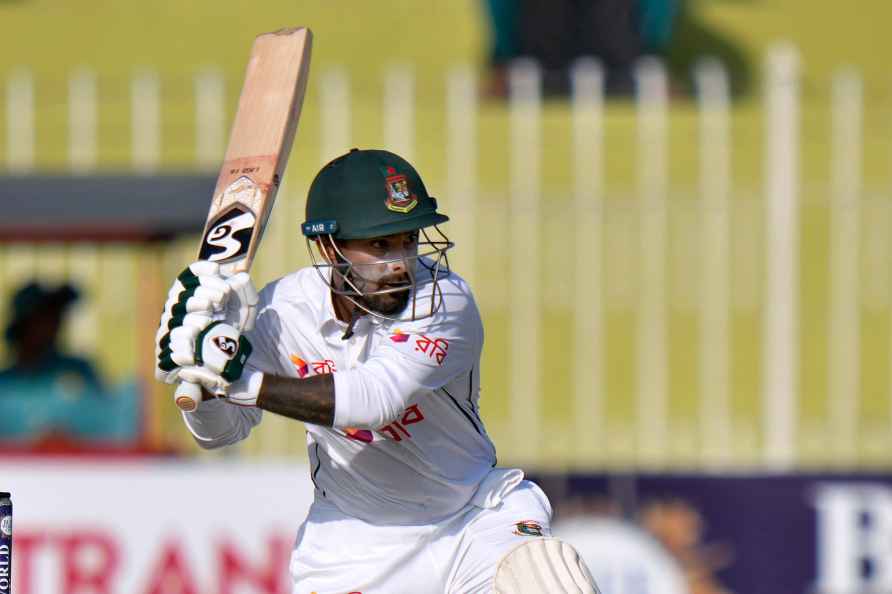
(187, 396)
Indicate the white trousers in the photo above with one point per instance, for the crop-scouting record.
(339, 554)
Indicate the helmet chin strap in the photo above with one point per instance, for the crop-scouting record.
(355, 314)
(355, 311)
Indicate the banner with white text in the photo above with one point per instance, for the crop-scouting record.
(785, 533)
(153, 527)
(149, 526)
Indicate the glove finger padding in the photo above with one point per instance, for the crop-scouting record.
(223, 350)
(198, 288)
(176, 346)
(202, 300)
(242, 303)
(198, 297)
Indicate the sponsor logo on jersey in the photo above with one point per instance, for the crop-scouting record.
(399, 197)
(434, 348)
(300, 365)
(319, 367)
(397, 430)
(398, 336)
(363, 435)
(323, 367)
(528, 528)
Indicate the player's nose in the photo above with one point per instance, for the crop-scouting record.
(400, 264)
(398, 267)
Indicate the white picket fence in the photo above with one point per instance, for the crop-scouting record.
(715, 425)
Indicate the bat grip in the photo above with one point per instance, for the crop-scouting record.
(187, 396)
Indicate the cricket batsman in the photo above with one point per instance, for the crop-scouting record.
(376, 349)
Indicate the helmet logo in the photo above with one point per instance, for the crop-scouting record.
(399, 198)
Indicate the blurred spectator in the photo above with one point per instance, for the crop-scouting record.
(557, 32)
(35, 320)
(47, 395)
(617, 33)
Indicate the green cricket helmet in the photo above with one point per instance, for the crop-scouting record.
(368, 193)
(373, 193)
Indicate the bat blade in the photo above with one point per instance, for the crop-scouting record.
(259, 146)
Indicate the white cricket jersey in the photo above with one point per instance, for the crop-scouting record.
(408, 445)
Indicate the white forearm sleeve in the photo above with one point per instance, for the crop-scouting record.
(370, 396)
(217, 423)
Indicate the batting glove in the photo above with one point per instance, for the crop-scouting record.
(199, 296)
(217, 348)
(245, 390)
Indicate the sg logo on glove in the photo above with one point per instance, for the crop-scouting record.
(223, 349)
(227, 345)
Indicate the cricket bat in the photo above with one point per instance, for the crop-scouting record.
(259, 145)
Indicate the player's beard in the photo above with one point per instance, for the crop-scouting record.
(386, 304)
